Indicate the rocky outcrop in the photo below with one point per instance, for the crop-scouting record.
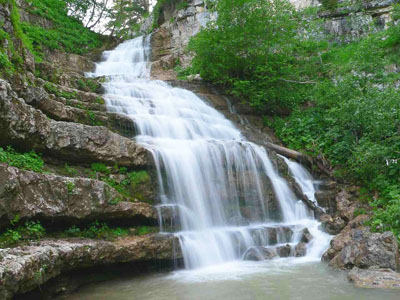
(22, 125)
(375, 278)
(25, 268)
(361, 248)
(169, 41)
(353, 19)
(60, 199)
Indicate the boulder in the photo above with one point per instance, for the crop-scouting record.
(21, 125)
(58, 199)
(25, 268)
(258, 253)
(332, 225)
(306, 236)
(361, 248)
(283, 251)
(300, 249)
(375, 278)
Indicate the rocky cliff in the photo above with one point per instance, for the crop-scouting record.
(93, 193)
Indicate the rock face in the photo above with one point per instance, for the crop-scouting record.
(22, 125)
(59, 199)
(177, 27)
(375, 278)
(25, 268)
(360, 248)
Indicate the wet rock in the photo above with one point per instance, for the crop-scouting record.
(23, 269)
(300, 249)
(326, 199)
(258, 253)
(306, 236)
(361, 248)
(375, 278)
(332, 225)
(238, 221)
(60, 199)
(20, 124)
(283, 251)
(327, 185)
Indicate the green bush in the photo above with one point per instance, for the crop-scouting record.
(25, 161)
(254, 50)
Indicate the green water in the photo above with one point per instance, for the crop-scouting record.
(282, 279)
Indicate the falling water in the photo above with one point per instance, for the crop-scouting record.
(220, 194)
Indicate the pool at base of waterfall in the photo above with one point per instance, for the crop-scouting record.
(275, 279)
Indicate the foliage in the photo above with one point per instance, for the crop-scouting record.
(329, 4)
(26, 161)
(70, 170)
(10, 57)
(96, 230)
(66, 34)
(127, 186)
(70, 187)
(31, 230)
(125, 16)
(339, 102)
(355, 120)
(255, 51)
(53, 89)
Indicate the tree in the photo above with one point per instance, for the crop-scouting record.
(125, 14)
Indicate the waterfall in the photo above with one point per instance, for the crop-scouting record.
(219, 193)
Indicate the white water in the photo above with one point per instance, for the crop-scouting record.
(214, 185)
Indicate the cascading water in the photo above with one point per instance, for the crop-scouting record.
(220, 194)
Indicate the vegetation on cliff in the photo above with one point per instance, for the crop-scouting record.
(336, 101)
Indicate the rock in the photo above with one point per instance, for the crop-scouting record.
(326, 199)
(300, 249)
(195, 77)
(343, 238)
(332, 225)
(22, 125)
(361, 248)
(258, 253)
(306, 236)
(61, 199)
(375, 278)
(238, 221)
(327, 185)
(346, 205)
(25, 268)
(283, 251)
